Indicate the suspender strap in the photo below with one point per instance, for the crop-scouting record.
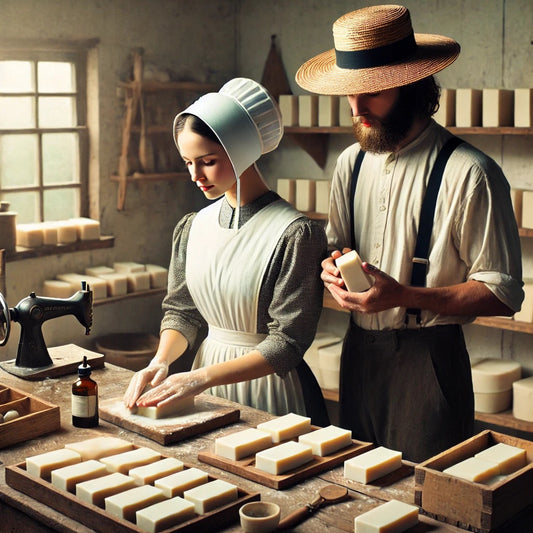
(425, 225)
(353, 186)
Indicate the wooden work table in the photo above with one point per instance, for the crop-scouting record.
(19, 512)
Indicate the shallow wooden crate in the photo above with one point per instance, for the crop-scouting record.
(474, 506)
(37, 417)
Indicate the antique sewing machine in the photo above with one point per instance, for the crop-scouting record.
(33, 360)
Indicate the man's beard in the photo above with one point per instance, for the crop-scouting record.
(386, 134)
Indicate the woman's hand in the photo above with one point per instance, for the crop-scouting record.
(153, 374)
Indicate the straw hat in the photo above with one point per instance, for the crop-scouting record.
(376, 49)
(244, 117)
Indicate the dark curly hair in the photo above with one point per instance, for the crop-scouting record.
(422, 96)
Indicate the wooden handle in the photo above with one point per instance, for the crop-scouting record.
(295, 517)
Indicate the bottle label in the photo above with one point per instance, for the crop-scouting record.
(83, 406)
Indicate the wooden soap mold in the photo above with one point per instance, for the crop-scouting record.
(99, 520)
(474, 506)
(37, 417)
(245, 467)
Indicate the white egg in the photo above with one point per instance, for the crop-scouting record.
(11, 415)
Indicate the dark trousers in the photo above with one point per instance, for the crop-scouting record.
(408, 390)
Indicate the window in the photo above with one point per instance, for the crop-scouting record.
(43, 133)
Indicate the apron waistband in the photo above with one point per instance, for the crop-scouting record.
(235, 338)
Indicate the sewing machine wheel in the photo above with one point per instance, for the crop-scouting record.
(5, 322)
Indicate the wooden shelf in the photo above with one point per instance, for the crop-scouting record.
(129, 296)
(505, 419)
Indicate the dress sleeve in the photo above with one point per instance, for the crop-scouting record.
(291, 295)
(179, 310)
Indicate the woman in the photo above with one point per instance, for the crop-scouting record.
(248, 265)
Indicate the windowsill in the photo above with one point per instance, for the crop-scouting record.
(107, 241)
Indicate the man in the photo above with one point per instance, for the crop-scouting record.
(437, 260)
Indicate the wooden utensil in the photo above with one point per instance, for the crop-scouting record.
(327, 495)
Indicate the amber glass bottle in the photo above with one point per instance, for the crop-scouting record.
(84, 398)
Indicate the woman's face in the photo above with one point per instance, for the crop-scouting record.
(207, 162)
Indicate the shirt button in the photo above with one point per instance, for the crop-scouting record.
(382, 208)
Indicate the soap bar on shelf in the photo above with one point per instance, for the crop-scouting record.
(97, 285)
(67, 477)
(176, 484)
(527, 210)
(526, 311)
(128, 266)
(372, 464)
(286, 427)
(508, 458)
(497, 108)
(523, 399)
(322, 193)
(494, 375)
(283, 457)
(327, 440)
(41, 465)
(473, 469)
(523, 108)
(329, 361)
(95, 491)
(66, 232)
(328, 110)
(211, 495)
(164, 515)
(98, 270)
(125, 504)
(468, 107)
(29, 235)
(87, 229)
(288, 106)
(345, 112)
(99, 447)
(116, 283)
(138, 281)
(55, 288)
(305, 194)
(172, 408)
(124, 462)
(158, 276)
(390, 517)
(49, 230)
(493, 402)
(147, 474)
(242, 443)
(307, 110)
(286, 188)
(445, 115)
(351, 269)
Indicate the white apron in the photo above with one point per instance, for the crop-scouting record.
(224, 272)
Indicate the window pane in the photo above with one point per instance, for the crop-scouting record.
(16, 76)
(55, 77)
(26, 205)
(18, 160)
(16, 112)
(57, 112)
(61, 203)
(60, 158)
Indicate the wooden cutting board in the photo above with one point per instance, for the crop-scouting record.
(205, 416)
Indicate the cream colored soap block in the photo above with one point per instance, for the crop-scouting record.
(308, 110)
(391, 517)
(176, 484)
(138, 281)
(498, 108)
(87, 229)
(351, 269)
(329, 361)
(328, 110)
(323, 188)
(527, 210)
(508, 458)
(99, 447)
(242, 443)
(147, 474)
(116, 283)
(372, 465)
(516, 199)
(124, 462)
(493, 402)
(283, 457)
(29, 235)
(288, 106)
(158, 276)
(55, 288)
(473, 469)
(125, 504)
(95, 491)
(164, 515)
(311, 356)
(211, 495)
(286, 188)
(128, 266)
(42, 465)
(68, 477)
(66, 232)
(345, 112)
(286, 427)
(327, 440)
(523, 108)
(523, 399)
(305, 195)
(445, 115)
(49, 233)
(526, 311)
(97, 271)
(97, 285)
(494, 375)
(174, 407)
(468, 107)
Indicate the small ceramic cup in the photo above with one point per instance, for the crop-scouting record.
(259, 517)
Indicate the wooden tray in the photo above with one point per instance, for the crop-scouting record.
(246, 467)
(206, 416)
(37, 417)
(99, 520)
(474, 506)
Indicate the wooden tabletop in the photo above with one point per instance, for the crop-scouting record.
(19, 512)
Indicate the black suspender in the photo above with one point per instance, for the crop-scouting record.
(425, 225)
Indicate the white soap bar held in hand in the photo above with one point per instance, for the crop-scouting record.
(372, 465)
(351, 269)
(174, 407)
(391, 517)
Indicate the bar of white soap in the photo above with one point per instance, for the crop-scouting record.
(391, 517)
(351, 269)
(99, 447)
(286, 427)
(176, 484)
(494, 375)
(345, 112)
(286, 188)
(128, 266)
(288, 106)
(66, 232)
(497, 107)
(67, 477)
(158, 276)
(327, 440)
(517, 201)
(124, 462)
(523, 399)
(211, 495)
(523, 108)
(87, 229)
(49, 230)
(147, 474)
(125, 504)
(323, 188)
(445, 115)
(116, 283)
(98, 286)
(55, 288)
(307, 110)
(328, 110)
(473, 469)
(283, 457)
(95, 491)
(468, 107)
(527, 210)
(98, 270)
(174, 407)
(311, 356)
(526, 311)
(329, 361)
(493, 402)
(138, 281)
(243, 443)
(164, 515)
(508, 458)
(41, 465)
(29, 235)
(305, 194)
(372, 464)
